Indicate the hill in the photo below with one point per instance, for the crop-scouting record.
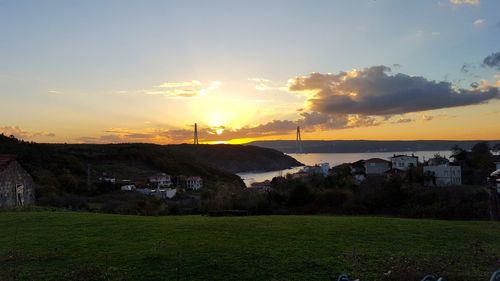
(60, 165)
(85, 246)
(362, 146)
(214, 163)
(237, 158)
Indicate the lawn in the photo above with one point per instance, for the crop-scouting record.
(87, 246)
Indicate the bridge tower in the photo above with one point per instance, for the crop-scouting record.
(299, 141)
(195, 141)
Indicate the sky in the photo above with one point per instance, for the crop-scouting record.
(104, 71)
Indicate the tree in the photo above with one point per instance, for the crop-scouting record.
(496, 148)
(481, 157)
(300, 195)
(439, 160)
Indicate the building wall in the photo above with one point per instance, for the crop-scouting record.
(194, 184)
(377, 168)
(10, 178)
(404, 162)
(445, 175)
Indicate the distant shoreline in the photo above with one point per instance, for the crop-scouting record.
(367, 146)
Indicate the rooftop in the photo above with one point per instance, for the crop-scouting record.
(403, 155)
(376, 160)
(5, 160)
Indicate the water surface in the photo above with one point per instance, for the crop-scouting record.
(333, 159)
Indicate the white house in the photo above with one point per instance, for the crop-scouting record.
(167, 193)
(128, 187)
(443, 175)
(107, 179)
(495, 177)
(194, 183)
(265, 185)
(404, 162)
(496, 160)
(160, 180)
(376, 166)
(322, 168)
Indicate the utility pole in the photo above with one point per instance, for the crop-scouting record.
(88, 175)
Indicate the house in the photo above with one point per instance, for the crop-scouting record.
(325, 167)
(194, 183)
(265, 185)
(404, 162)
(16, 185)
(496, 160)
(358, 171)
(322, 168)
(167, 193)
(395, 172)
(106, 178)
(442, 173)
(160, 180)
(376, 166)
(495, 180)
(128, 187)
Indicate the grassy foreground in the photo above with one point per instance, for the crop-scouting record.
(85, 246)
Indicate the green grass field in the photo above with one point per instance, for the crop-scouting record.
(85, 246)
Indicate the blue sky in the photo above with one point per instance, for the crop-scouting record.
(66, 62)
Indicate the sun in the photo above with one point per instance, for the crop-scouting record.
(218, 119)
(219, 131)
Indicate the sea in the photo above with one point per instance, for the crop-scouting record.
(333, 159)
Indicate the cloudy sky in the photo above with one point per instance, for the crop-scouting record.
(105, 71)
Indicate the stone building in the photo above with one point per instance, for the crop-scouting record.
(16, 185)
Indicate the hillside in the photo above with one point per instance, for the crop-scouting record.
(47, 163)
(214, 163)
(84, 246)
(361, 146)
(237, 158)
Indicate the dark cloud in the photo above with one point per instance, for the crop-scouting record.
(492, 61)
(372, 91)
(474, 85)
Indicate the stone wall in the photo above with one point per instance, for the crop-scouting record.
(11, 178)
